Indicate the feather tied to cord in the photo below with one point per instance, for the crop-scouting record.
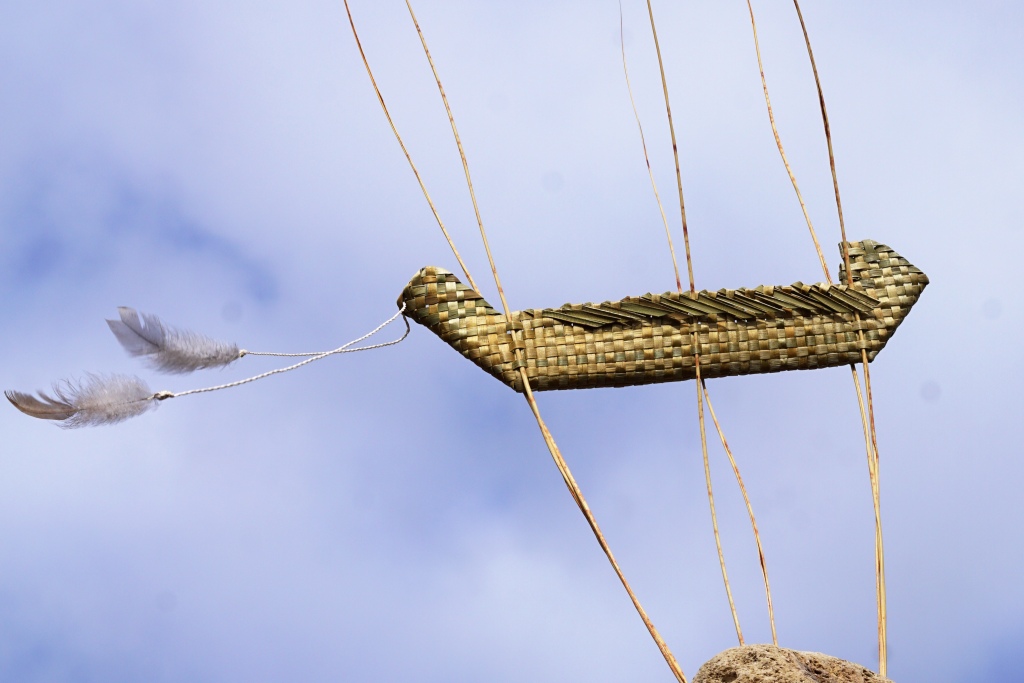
(96, 400)
(166, 348)
(107, 399)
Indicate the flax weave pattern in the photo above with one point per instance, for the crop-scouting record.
(656, 337)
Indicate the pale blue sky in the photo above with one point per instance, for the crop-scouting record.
(395, 515)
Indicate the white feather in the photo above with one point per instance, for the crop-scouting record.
(96, 400)
(169, 349)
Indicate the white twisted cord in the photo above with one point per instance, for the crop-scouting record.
(243, 352)
(161, 395)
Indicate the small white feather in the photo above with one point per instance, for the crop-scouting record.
(96, 400)
(169, 349)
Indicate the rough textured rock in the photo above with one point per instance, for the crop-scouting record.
(770, 664)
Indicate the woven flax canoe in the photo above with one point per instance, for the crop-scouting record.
(656, 337)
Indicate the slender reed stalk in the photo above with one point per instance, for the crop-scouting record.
(675, 147)
(868, 417)
(577, 495)
(782, 152)
(750, 513)
(647, 160)
(711, 499)
(408, 157)
(693, 292)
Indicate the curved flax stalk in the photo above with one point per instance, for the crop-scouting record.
(778, 143)
(883, 611)
(868, 419)
(581, 502)
(828, 140)
(711, 497)
(696, 346)
(423, 187)
(549, 440)
(462, 152)
(879, 556)
(647, 160)
(675, 147)
(750, 513)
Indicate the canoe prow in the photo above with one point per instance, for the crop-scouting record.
(656, 337)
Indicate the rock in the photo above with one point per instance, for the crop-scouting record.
(770, 664)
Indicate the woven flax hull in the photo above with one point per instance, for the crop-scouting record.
(657, 337)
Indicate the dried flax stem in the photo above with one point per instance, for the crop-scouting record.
(462, 153)
(693, 291)
(782, 152)
(868, 418)
(581, 502)
(872, 458)
(750, 512)
(828, 137)
(647, 160)
(675, 146)
(387, 114)
(560, 463)
(883, 612)
(711, 500)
